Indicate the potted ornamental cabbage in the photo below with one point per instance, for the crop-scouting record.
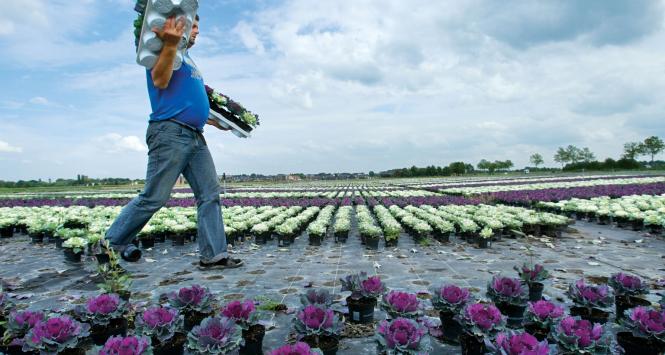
(401, 304)
(540, 316)
(107, 315)
(246, 316)
(7, 227)
(73, 248)
(402, 336)
(510, 296)
(195, 303)
(646, 331)
(485, 236)
(480, 322)
(18, 325)
(215, 335)
(579, 336)
(57, 335)
(131, 345)
(449, 301)
(590, 300)
(319, 328)
(163, 326)
(514, 343)
(364, 294)
(627, 289)
(533, 277)
(298, 348)
(321, 298)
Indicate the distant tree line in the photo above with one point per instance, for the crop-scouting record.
(81, 180)
(455, 168)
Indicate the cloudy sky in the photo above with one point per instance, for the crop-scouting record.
(344, 85)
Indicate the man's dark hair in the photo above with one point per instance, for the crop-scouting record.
(197, 17)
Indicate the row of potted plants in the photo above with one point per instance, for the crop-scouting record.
(317, 230)
(370, 232)
(635, 211)
(342, 225)
(292, 227)
(391, 227)
(468, 191)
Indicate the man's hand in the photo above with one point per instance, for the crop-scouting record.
(172, 31)
(217, 125)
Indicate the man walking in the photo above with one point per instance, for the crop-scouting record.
(176, 146)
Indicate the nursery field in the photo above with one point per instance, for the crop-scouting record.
(587, 244)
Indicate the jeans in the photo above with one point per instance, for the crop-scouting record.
(175, 149)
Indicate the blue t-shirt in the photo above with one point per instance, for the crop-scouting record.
(184, 99)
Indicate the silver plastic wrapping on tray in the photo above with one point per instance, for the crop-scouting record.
(156, 13)
(224, 122)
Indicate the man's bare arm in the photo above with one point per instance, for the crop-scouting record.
(170, 35)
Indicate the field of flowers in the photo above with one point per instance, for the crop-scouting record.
(476, 230)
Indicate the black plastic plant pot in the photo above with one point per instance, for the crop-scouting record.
(391, 242)
(260, 239)
(483, 243)
(315, 240)
(124, 295)
(327, 344)
(361, 310)
(637, 225)
(604, 220)
(471, 345)
(71, 256)
(174, 346)
(70, 351)
(450, 327)
(538, 332)
(624, 303)
(160, 238)
(253, 340)
(514, 313)
(13, 350)
(100, 333)
(372, 243)
(193, 319)
(283, 240)
(147, 242)
(103, 258)
(536, 291)
(593, 315)
(37, 238)
(633, 345)
(363, 239)
(178, 240)
(6, 232)
(58, 243)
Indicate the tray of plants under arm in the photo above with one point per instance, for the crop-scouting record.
(231, 114)
(221, 116)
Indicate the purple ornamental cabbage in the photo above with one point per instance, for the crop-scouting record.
(402, 336)
(159, 323)
(313, 320)
(530, 275)
(243, 313)
(450, 298)
(543, 313)
(481, 319)
(519, 344)
(647, 322)
(192, 299)
(19, 324)
(316, 297)
(579, 335)
(131, 345)
(507, 290)
(215, 335)
(590, 296)
(298, 348)
(401, 304)
(55, 335)
(362, 286)
(627, 285)
(102, 309)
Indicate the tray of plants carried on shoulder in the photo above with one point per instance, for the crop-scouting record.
(230, 114)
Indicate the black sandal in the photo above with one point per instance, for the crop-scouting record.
(226, 263)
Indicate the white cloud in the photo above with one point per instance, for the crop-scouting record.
(116, 143)
(7, 148)
(39, 100)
